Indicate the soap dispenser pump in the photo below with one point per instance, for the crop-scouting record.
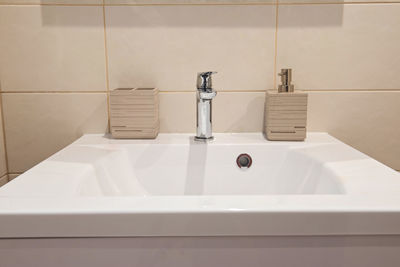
(285, 111)
(286, 80)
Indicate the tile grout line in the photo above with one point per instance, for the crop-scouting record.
(219, 92)
(138, 4)
(47, 4)
(305, 90)
(276, 43)
(51, 92)
(351, 90)
(193, 91)
(4, 134)
(205, 4)
(337, 3)
(107, 71)
(195, 4)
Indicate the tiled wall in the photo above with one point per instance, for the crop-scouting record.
(60, 58)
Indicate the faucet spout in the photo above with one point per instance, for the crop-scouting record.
(205, 94)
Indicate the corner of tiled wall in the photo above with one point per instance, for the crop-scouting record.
(62, 57)
(3, 157)
(53, 77)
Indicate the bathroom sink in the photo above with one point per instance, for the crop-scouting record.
(320, 186)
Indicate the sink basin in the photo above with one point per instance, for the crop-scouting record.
(178, 165)
(176, 179)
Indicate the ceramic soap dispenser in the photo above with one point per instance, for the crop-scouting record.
(285, 111)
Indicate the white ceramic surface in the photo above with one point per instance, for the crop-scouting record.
(173, 186)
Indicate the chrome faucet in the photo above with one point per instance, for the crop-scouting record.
(205, 94)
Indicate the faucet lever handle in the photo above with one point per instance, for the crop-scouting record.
(204, 80)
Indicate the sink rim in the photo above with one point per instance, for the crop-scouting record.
(358, 214)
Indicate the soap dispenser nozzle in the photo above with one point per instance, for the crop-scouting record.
(286, 79)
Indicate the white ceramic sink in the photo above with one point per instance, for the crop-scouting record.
(175, 179)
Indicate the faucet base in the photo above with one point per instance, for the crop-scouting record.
(203, 139)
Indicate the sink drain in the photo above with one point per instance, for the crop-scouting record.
(244, 161)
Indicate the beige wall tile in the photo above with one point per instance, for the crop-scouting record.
(3, 180)
(232, 112)
(177, 112)
(341, 46)
(38, 125)
(368, 121)
(238, 112)
(165, 46)
(3, 162)
(75, 2)
(52, 48)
